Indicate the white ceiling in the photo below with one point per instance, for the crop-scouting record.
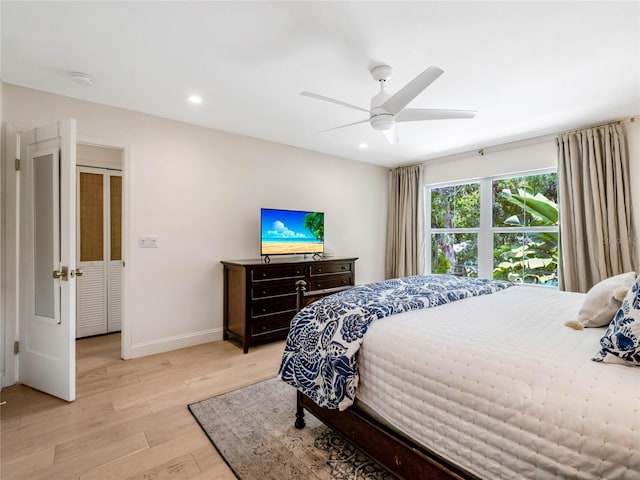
(528, 68)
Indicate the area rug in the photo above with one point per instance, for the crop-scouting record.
(253, 430)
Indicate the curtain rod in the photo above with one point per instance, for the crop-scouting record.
(599, 125)
(516, 143)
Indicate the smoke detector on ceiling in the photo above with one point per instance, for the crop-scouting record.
(83, 79)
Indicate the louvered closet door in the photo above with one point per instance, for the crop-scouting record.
(114, 275)
(99, 251)
(91, 314)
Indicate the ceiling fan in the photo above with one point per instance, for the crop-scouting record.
(387, 109)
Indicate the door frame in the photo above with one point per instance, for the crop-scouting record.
(125, 335)
(10, 250)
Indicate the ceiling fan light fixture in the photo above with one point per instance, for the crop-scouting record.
(382, 122)
(83, 79)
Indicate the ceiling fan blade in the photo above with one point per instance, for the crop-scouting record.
(417, 114)
(411, 90)
(342, 126)
(392, 135)
(333, 100)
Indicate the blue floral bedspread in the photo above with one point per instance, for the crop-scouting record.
(320, 354)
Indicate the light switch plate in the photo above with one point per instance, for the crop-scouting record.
(148, 241)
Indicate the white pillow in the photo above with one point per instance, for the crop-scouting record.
(604, 299)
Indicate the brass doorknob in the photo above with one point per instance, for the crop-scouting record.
(61, 274)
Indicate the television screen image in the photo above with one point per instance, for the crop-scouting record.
(291, 231)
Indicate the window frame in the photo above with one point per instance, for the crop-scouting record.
(486, 230)
(455, 230)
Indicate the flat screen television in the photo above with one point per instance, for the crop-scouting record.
(286, 232)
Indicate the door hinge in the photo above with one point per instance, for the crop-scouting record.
(17, 164)
(16, 347)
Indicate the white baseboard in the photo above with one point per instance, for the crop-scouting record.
(173, 343)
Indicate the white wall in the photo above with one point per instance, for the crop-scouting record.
(494, 162)
(201, 191)
(99, 157)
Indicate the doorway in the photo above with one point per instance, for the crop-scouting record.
(20, 262)
(99, 240)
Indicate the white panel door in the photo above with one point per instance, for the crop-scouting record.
(48, 259)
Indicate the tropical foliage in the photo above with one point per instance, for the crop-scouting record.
(525, 214)
(455, 206)
(528, 257)
(314, 223)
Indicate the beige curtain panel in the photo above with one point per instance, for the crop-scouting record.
(403, 257)
(596, 229)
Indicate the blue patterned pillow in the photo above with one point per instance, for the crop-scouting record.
(622, 339)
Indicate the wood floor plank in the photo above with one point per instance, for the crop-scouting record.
(147, 460)
(130, 418)
(178, 421)
(27, 466)
(41, 436)
(184, 467)
(77, 461)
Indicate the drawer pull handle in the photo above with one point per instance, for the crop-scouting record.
(318, 285)
(264, 293)
(264, 275)
(297, 272)
(264, 310)
(263, 328)
(343, 267)
(319, 270)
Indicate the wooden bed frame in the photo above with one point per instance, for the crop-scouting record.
(400, 456)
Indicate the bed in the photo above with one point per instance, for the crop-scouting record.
(485, 386)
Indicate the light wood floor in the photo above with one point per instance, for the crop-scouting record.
(130, 419)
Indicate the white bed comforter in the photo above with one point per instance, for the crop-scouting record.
(498, 385)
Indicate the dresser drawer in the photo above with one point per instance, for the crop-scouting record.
(281, 271)
(270, 306)
(330, 281)
(278, 325)
(268, 289)
(333, 267)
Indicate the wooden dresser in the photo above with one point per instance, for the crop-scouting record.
(260, 298)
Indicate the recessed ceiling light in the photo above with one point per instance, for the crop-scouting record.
(83, 79)
(194, 99)
(362, 146)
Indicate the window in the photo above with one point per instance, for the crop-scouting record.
(455, 224)
(503, 228)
